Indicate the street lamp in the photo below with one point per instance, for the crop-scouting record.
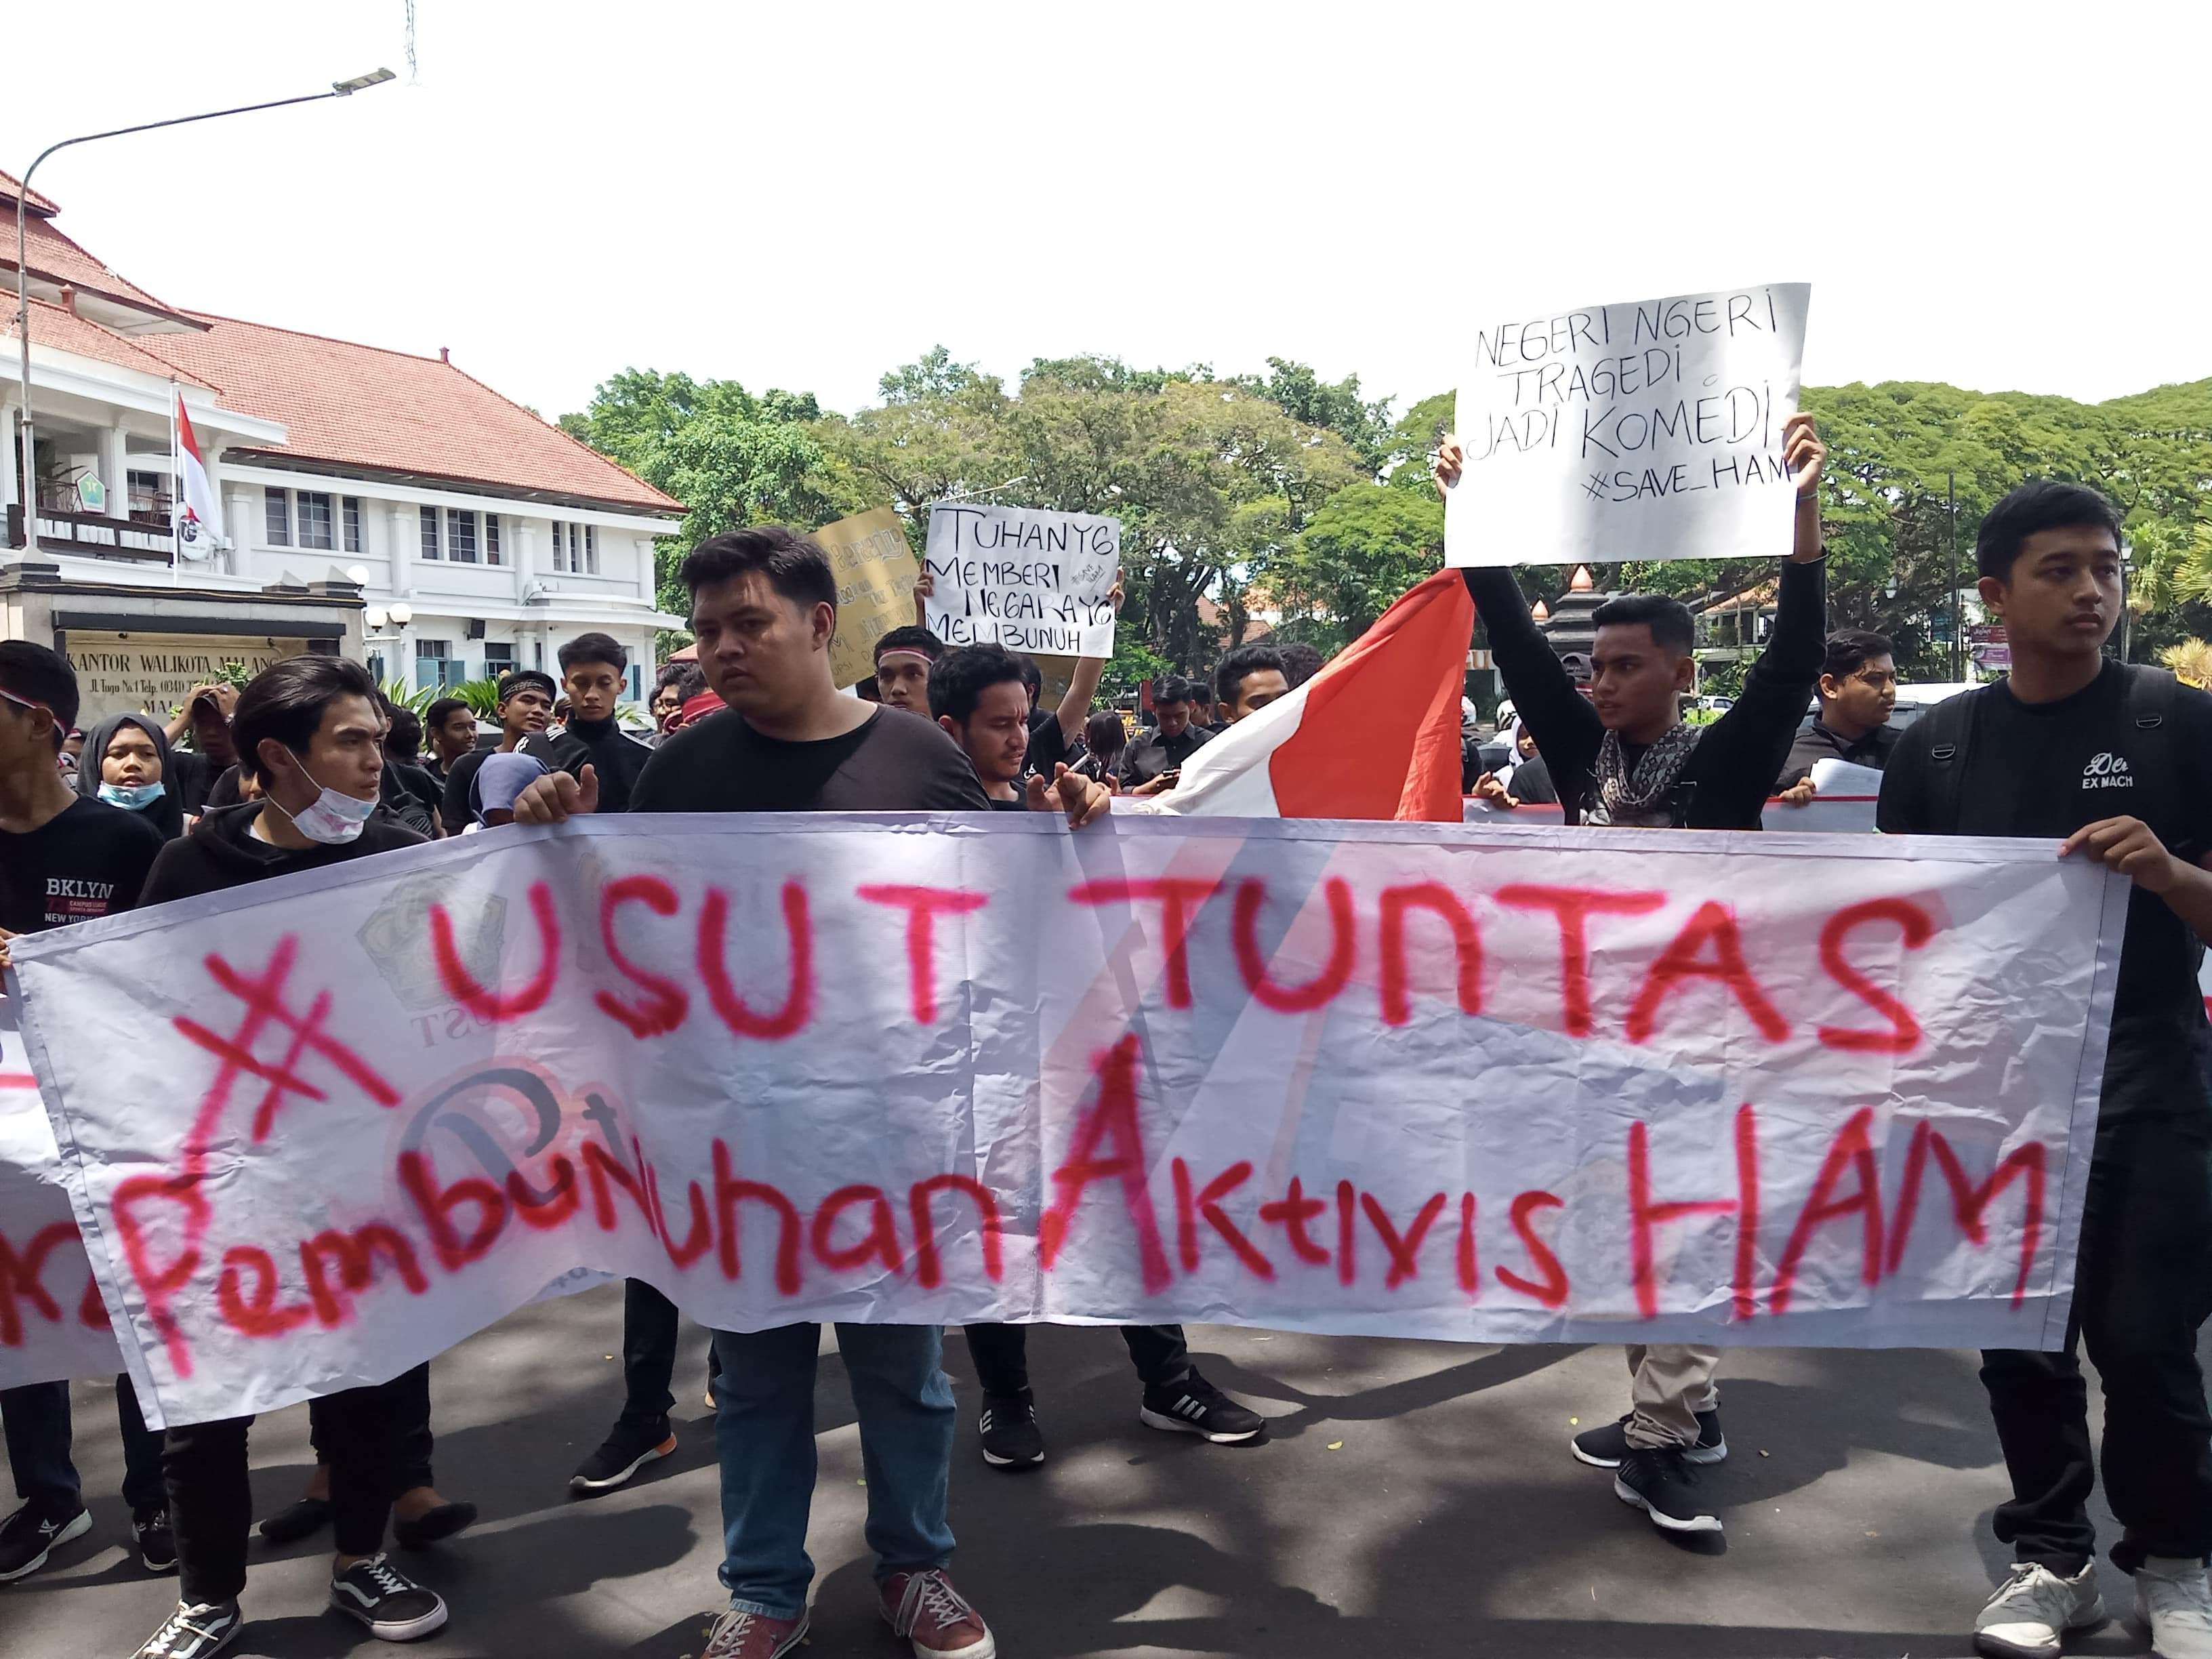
(338, 89)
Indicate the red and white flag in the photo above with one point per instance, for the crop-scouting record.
(1374, 735)
(199, 519)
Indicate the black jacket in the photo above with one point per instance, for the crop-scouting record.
(221, 852)
(1816, 743)
(1738, 757)
(615, 759)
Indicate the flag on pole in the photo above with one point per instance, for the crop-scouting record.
(1374, 735)
(199, 520)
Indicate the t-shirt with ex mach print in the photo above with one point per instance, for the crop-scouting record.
(87, 861)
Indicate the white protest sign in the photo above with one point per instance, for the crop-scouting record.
(1023, 578)
(1399, 1079)
(52, 1323)
(1644, 431)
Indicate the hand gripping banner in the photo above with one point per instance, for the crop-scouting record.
(1494, 1084)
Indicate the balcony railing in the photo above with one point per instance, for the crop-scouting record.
(92, 535)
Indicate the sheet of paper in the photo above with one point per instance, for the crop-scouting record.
(1024, 578)
(1841, 777)
(1649, 430)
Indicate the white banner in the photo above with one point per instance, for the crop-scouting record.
(1491, 1084)
(53, 1324)
(1023, 578)
(1643, 431)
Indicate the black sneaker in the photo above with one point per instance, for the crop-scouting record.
(393, 1606)
(157, 1550)
(1603, 1447)
(1194, 1406)
(194, 1631)
(28, 1536)
(628, 1449)
(1012, 1439)
(1664, 1486)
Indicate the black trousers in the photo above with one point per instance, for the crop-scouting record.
(211, 1505)
(2143, 1285)
(649, 1329)
(412, 1404)
(1001, 1356)
(36, 1421)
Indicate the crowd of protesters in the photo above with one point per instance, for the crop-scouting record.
(309, 765)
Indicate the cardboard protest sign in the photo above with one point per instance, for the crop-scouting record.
(1403, 1080)
(52, 1323)
(875, 574)
(1644, 431)
(1024, 578)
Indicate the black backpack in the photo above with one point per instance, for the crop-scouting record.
(2149, 707)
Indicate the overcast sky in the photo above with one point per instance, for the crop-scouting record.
(802, 196)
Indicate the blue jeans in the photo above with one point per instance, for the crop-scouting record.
(764, 1427)
(35, 1419)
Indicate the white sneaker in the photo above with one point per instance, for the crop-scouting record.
(2173, 1598)
(2035, 1606)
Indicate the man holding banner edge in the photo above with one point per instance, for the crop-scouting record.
(2110, 757)
(1624, 756)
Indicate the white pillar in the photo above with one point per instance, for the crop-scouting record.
(12, 447)
(115, 470)
(406, 549)
(240, 504)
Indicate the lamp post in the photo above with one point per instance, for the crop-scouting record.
(338, 89)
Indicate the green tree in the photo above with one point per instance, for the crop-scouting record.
(730, 458)
(1365, 546)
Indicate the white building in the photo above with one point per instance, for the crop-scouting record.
(377, 503)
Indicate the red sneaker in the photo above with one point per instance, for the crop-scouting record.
(740, 1635)
(925, 1608)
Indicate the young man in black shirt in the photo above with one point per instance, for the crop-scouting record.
(1247, 680)
(2113, 759)
(1624, 756)
(904, 658)
(764, 608)
(310, 731)
(1152, 763)
(978, 696)
(526, 709)
(592, 666)
(450, 727)
(64, 859)
(1858, 688)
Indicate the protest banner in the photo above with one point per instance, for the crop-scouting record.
(1490, 1085)
(1024, 578)
(52, 1323)
(1643, 431)
(875, 574)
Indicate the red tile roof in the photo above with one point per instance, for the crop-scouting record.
(51, 255)
(11, 190)
(390, 411)
(63, 330)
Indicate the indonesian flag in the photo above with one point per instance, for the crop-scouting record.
(199, 520)
(1374, 735)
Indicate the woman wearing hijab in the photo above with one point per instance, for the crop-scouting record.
(126, 764)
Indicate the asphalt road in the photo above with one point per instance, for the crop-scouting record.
(1412, 1499)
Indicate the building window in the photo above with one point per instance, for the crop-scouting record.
(429, 532)
(491, 538)
(590, 549)
(436, 668)
(460, 536)
(350, 513)
(277, 517)
(499, 658)
(315, 521)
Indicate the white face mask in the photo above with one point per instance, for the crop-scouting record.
(330, 819)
